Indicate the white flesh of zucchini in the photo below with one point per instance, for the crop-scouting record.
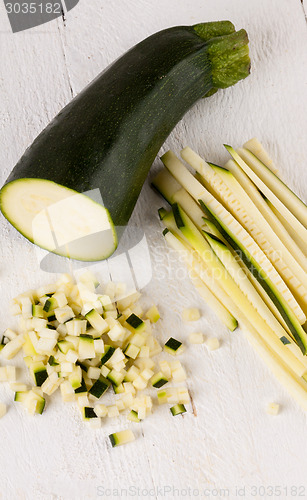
(59, 219)
(197, 190)
(243, 209)
(286, 202)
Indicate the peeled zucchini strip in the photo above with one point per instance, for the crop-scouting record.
(261, 265)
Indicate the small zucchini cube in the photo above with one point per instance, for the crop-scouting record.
(158, 380)
(132, 351)
(173, 346)
(213, 343)
(191, 314)
(100, 387)
(135, 324)
(39, 372)
(116, 377)
(153, 314)
(96, 321)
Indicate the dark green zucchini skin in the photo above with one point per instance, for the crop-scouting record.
(108, 136)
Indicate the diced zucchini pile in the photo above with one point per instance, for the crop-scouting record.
(85, 343)
(242, 233)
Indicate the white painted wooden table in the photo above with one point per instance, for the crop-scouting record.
(230, 446)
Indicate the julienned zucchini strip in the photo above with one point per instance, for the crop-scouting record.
(276, 185)
(218, 271)
(255, 147)
(285, 201)
(238, 275)
(61, 195)
(223, 184)
(207, 287)
(269, 213)
(296, 385)
(246, 248)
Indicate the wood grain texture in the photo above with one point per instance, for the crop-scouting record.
(231, 442)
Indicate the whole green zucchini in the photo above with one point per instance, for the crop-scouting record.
(102, 144)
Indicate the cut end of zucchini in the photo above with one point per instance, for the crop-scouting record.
(59, 219)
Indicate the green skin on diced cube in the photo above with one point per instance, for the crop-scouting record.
(40, 377)
(173, 344)
(285, 341)
(64, 346)
(113, 440)
(20, 396)
(108, 352)
(100, 387)
(51, 317)
(116, 378)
